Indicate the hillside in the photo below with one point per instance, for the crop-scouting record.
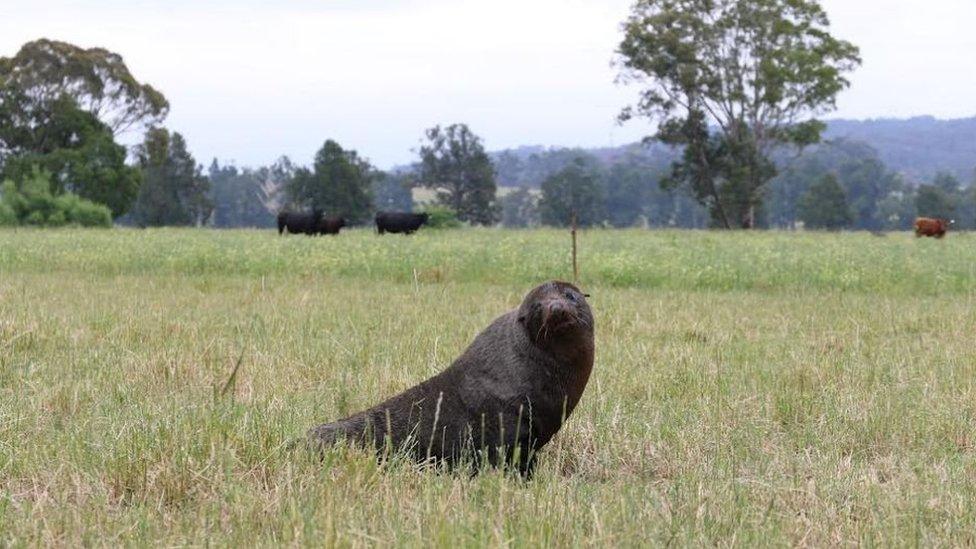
(917, 148)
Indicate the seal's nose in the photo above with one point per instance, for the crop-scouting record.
(558, 310)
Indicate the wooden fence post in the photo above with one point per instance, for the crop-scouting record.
(575, 266)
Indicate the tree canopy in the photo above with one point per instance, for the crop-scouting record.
(520, 209)
(78, 152)
(934, 201)
(730, 81)
(98, 80)
(454, 162)
(237, 197)
(174, 190)
(60, 108)
(340, 183)
(574, 191)
(824, 205)
(392, 192)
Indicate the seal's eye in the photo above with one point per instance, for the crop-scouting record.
(570, 296)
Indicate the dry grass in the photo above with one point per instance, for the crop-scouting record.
(793, 414)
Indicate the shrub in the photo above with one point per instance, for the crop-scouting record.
(57, 219)
(89, 214)
(12, 199)
(33, 204)
(7, 216)
(441, 217)
(35, 218)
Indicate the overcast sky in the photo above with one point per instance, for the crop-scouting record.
(249, 81)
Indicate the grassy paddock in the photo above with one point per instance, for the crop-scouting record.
(750, 389)
(674, 260)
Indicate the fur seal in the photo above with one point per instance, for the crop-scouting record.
(500, 402)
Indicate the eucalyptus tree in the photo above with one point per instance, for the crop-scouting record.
(61, 108)
(174, 190)
(730, 81)
(340, 183)
(96, 79)
(576, 191)
(453, 162)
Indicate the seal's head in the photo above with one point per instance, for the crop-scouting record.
(556, 311)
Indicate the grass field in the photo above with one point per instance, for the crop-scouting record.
(749, 389)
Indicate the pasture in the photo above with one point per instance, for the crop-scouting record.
(749, 388)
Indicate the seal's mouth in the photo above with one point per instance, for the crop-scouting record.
(559, 317)
(562, 327)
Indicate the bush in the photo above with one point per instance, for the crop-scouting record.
(441, 217)
(35, 218)
(89, 214)
(57, 219)
(78, 211)
(33, 204)
(11, 199)
(7, 216)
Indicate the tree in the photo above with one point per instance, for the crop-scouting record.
(575, 190)
(545, 162)
(61, 107)
(947, 182)
(237, 198)
(631, 185)
(453, 161)
(78, 151)
(508, 169)
(44, 71)
(274, 184)
(339, 184)
(898, 209)
(520, 209)
(392, 192)
(174, 191)
(824, 206)
(934, 201)
(966, 209)
(865, 180)
(731, 81)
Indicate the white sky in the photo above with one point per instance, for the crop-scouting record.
(249, 81)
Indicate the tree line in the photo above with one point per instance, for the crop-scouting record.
(838, 184)
(62, 109)
(734, 87)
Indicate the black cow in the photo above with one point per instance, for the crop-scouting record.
(300, 222)
(331, 225)
(399, 222)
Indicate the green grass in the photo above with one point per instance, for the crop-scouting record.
(749, 389)
(676, 260)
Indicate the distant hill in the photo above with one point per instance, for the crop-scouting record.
(917, 148)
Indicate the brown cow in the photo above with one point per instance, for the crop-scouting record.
(927, 226)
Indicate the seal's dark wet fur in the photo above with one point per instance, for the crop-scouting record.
(502, 400)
